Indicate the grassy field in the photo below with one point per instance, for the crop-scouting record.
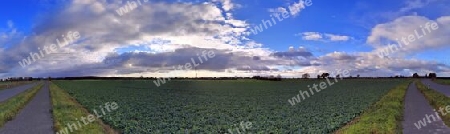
(216, 106)
(10, 108)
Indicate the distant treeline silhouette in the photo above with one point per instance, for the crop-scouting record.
(267, 78)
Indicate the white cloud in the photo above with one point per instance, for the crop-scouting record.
(294, 8)
(278, 11)
(227, 6)
(401, 28)
(414, 4)
(406, 8)
(334, 37)
(10, 24)
(316, 36)
(9, 35)
(311, 35)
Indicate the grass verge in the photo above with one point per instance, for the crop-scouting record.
(436, 100)
(12, 106)
(5, 85)
(383, 117)
(442, 81)
(66, 110)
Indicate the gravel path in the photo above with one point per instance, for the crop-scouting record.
(444, 89)
(416, 108)
(34, 118)
(8, 93)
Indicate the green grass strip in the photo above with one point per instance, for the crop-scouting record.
(441, 81)
(383, 117)
(436, 99)
(12, 106)
(7, 85)
(66, 110)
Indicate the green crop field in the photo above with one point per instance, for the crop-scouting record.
(216, 106)
(442, 81)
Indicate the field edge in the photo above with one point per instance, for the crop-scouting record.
(7, 85)
(442, 81)
(374, 120)
(66, 110)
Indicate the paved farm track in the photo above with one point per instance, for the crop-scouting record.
(416, 107)
(9, 93)
(34, 118)
(444, 89)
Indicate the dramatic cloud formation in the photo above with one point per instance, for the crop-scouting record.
(151, 38)
(180, 29)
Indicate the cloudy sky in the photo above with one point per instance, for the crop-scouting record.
(161, 38)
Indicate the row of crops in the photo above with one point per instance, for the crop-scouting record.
(215, 106)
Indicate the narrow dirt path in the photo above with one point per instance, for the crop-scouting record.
(34, 118)
(8, 93)
(444, 89)
(416, 109)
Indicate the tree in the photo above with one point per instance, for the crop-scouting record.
(305, 76)
(279, 76)
(318, 76)
(357, 76)
(325, 75)
(415, 75)
(432, 75)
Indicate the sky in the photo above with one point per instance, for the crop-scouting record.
(223, 38)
